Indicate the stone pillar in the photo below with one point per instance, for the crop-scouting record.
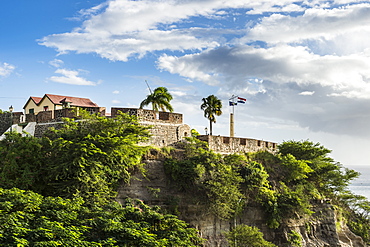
(231, 125)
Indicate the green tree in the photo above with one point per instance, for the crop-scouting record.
(328, 177)
(29, 219)
(212, 107)
(88, 158)
(160, 99)
(22, 159)
(209, 176)
(243, 235)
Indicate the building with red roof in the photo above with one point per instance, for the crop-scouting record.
(51, 102)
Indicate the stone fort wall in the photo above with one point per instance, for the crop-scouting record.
(227, 145)
(166, 128)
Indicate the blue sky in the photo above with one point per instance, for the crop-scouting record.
(303, 66)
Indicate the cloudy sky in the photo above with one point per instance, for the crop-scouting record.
(303, 66)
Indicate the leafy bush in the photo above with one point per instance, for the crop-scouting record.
(210, 175)
(29, 219)
(243, 235)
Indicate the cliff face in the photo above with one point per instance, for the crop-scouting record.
(320, 229)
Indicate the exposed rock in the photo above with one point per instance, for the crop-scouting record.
(318, 230)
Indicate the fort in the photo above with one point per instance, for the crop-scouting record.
(167, 128)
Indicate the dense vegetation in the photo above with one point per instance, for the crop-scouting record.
(59, 190)
(286, 184)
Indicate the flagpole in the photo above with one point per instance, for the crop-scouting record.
(232, 102)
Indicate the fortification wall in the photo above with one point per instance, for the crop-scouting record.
(150, 115)
(4, 122)
(166, 128)
(7, 119)
(41, 128)
(167, 134)
(223, 144)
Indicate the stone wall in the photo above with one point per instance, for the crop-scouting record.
(150, 115)
(41, 128)
(4, 122)
(44, 116)
(167, 134)
(7, 119)
(224, 144)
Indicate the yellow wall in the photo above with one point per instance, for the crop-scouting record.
(31, 105)
(44, 102)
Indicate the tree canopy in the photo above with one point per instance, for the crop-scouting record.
(59, 190)
(160, 99)
(212, 107)
(30, 219)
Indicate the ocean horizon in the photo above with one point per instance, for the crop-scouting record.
(361, 185)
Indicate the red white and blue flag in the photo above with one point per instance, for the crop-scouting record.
(241, 100)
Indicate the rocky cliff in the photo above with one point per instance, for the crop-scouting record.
(320, 229)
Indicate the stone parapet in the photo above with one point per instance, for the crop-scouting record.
(167, 134)
(144, 115)
(223, 144)
(7, 119)
(44, 116)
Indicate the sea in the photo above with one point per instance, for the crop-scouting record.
(361, 185)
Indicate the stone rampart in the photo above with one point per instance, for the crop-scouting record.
(166, 128)
(7, 119)
(223, 144)
(4, 122)
(144, 115)
(167, 134)
(44, 116)
(41, 128)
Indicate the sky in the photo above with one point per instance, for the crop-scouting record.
(303, 66)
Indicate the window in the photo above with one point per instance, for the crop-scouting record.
(226, 140)
(46, 108)
(243, 142)
(31, 111)
(259, 143)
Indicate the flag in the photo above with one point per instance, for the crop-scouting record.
(232, 103)
(241, 100)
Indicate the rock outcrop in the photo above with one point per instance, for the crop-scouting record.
(320, 229)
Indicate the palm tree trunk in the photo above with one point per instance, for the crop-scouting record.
(210, 127)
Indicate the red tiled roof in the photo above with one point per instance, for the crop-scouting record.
(75, 101)
(36, 99)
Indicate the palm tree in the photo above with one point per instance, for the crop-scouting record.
(160, 99)
(212, 108)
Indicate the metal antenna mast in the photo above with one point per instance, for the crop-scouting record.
(148, 87)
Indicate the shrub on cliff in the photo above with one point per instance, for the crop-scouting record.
(208, 175)
(83, 158)
(243, 235)
(75, 171)
(29, 219)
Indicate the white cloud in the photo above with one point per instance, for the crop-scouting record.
(116, 101)
(6, 69)
(71, 77)
(115, 92)
(56, 63)
(307, 93)
(323, 27)
(317, 49)
(120, 29)
(281, 64)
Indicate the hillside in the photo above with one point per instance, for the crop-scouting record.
(300, 201)
(61, 189)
